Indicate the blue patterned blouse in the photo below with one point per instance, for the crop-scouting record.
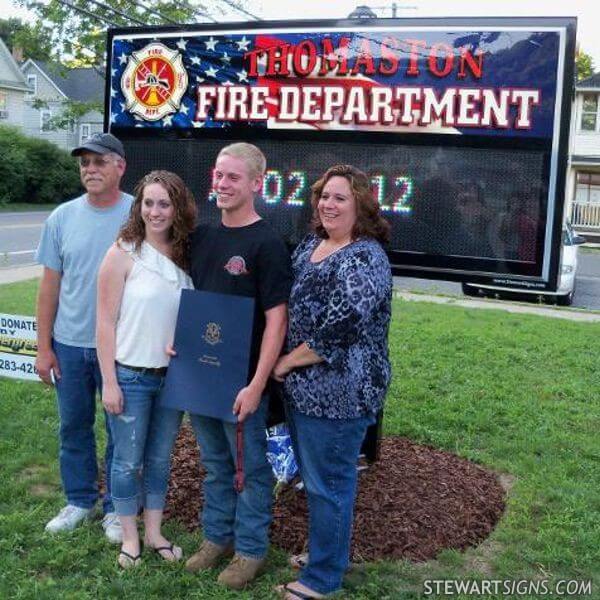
(341, 308)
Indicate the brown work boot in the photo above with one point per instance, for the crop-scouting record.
(207, 557)
(241, 571)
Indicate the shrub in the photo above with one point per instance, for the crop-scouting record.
(13, 166)
(34, 170)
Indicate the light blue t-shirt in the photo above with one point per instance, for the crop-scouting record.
(74, 240)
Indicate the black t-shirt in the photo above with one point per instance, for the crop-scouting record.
(250, 261)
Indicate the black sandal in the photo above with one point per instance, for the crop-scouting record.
(130, 560)
(171, 549)
(298, 594)
(298, 561)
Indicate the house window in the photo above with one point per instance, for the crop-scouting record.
(589, 112)
(587, 190)
(45, 116)
(32, 83)
(86, 131)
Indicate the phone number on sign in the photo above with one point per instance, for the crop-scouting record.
(14, 367)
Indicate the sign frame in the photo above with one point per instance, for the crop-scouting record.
(403, 263)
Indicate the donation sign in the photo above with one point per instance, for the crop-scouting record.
(18, 347)
(461, 124)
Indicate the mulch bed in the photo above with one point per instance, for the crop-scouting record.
(414, 502)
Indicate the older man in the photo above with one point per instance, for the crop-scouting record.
(74, 241)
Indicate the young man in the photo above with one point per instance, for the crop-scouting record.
(74, 241)
(244, 257)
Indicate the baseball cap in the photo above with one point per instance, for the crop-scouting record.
(100, 143)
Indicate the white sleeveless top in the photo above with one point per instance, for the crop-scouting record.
(146, 322)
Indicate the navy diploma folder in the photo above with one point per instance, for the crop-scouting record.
(212, 339)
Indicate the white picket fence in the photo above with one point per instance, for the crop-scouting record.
(585, 214)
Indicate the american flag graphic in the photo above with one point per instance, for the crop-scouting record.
(218, 59)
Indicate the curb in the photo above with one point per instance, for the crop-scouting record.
(556, 313)
(14, 274)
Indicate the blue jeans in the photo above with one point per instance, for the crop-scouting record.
(76, 396)
(327, 452)
(143, 434)
(228, 517)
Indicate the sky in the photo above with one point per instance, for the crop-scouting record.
(587, 12)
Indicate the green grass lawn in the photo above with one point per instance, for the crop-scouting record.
(516, 393)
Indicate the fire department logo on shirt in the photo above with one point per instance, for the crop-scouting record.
(236, 265)
(154, 82)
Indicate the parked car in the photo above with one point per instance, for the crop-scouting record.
(566, 277)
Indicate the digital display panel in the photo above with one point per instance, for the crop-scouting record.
(476, 209)
(461, 125)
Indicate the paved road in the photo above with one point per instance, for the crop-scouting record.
(429, 286)
(19, 237)
(587, 288)
(20, 233)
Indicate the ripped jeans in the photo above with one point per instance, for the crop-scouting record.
(143, 435)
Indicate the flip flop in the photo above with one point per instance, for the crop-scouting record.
(298, 561)
(285, 589)
(171, 549)
(128, 561)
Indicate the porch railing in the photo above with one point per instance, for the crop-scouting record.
(584, 214)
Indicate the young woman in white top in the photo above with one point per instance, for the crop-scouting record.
(139, 287)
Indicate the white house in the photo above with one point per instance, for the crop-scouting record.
(13, 87)
(583, 180)
(54, 84)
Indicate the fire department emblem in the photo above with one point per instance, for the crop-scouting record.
(212, 335)
(236, 265)
(154, 82)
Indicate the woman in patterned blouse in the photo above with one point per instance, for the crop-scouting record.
(336, 371)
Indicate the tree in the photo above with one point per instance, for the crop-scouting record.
(31, 39)
(77, 28)
(584, 65)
